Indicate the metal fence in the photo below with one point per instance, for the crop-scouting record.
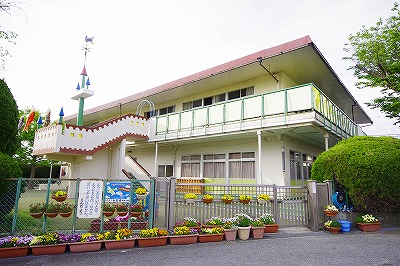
(87, 197)
(288, 204)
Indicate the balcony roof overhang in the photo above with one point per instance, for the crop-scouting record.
(299, 59)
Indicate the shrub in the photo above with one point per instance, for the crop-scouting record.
(367, 168)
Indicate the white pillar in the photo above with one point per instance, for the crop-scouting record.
(259, 181)
(326, 136)
(156, 161)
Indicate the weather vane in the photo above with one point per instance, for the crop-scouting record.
(85, 47)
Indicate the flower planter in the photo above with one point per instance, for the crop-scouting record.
(122, 213)
(243, 232)
(141, 197)
(65, 214)
(210, 238)
(189, 201)
(108, 214)
(51, 215)
(227, 201)
(85, 246)
(136, 214)
(369, 227)
(135, 225)
(271, 228)
(262, 202)
(36, 214)
(49, 249)
(257, 232)
(210, 226)
(95, 226)
(331, 213)
(244, 201)
(230, 234)
(183, 239)
(13, 252)
(119, 244)
(334, 230)
(59, 198)
(153, 241)
(207, 201)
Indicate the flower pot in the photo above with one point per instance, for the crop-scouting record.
(36, 214)
(210, 238)
(369, 227)
(49, 249)
(51, 215)
(257, 232)
(331, 213)
(108, 214)
(183, 239)
(13, 252)
(230, 234)
(271, 228)
(334, 230)
(207, 201)
(122, 213)
(261, 201)
(153, 241)
(59, 198)
(227, 201)
(243, 232)
(141, 197)
(210, 226)
(65, 214)
(245, 201)
(189, 201)
(136, 214)
(85, 246)
(346, 225)
(119, 244)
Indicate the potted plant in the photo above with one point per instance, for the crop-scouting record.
(230, 229)
(141, 193)
(190, 222)
(207, 198)
(368, 223)
(52, 210)
(49, 244)
(243, 222)
(270, 226)
(65, 209)
(330, 210)
(263, 198)
(122, 209)
(257, 228)
(59, 195)
(190, 197)
(85, 242)
(121, 238)
(36, 209)
(183, 235)
(15, 246)
(227, 198)
(245, 199)
(214, 234)
(152, 237)
(108, 209)
(333, 226)
(136, 209)
(213, 222)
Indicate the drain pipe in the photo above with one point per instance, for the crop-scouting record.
(259, 157)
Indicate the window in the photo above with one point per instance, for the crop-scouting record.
(165, 170)
(162, 111)
(242, 165)
(300, 168)
(214, 166)
(190, 166)
(219, 98)
(240, 93)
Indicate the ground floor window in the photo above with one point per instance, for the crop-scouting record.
(165, 170)
(214, 166)
(190, 166)
(300, 168)
(242, 165)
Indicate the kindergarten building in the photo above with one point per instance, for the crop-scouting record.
(259, 119)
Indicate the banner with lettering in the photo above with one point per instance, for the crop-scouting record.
(90, 197)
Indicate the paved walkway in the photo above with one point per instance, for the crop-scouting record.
(291, 246)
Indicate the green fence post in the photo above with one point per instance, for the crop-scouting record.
(103, 201)
(14, 222)
(76, 205)
(47, 203)
(152, 201)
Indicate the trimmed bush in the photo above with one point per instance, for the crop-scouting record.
(368, 168)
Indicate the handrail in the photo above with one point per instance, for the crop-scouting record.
(140, 166)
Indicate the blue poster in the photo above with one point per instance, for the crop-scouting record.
(118, 191)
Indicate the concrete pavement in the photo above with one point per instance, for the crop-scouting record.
(291, 246)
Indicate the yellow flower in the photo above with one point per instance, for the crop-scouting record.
(244, 197)
(190, 196)
(263, 197)
(227, 197)
(141, 191)
(208, 196)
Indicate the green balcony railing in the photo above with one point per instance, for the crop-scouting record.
(283, 102)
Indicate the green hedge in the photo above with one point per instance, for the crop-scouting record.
(368, 168)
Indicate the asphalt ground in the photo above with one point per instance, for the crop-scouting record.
(291, 246)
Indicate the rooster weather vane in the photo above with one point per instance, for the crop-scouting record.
(85, 47)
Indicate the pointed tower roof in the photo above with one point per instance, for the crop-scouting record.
(84, 71)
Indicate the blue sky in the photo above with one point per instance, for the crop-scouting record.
(142, 44)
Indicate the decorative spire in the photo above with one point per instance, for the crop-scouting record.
(39, 122)
(61, 114)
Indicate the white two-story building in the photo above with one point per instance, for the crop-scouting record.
(262, 118)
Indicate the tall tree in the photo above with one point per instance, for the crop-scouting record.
(8, 121)
(8, 36)
(375, 53)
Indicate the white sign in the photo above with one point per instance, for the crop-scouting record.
(90, 197)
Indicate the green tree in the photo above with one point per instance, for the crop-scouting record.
(375, 52)
(8, 121)
(368, 168)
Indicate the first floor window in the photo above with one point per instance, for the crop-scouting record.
(190, 166)
(242, 165)
(165, 170)
(214, 166)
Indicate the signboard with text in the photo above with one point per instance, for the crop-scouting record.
(90, 197)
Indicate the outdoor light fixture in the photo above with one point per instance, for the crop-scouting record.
(259, 59)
